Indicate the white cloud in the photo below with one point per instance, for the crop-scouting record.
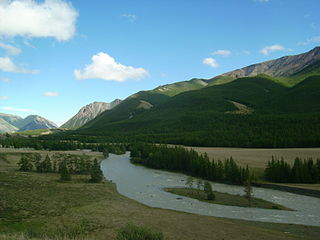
(224, 53)
(211, 62)
(105, 67)
(7, 65)
(4, 97)
(13, 109)
(131, 17)
(6, 80)
(268, 49)
(51, 94)
(11, 50)
(315, 39)
(31, 18)
(263, 1)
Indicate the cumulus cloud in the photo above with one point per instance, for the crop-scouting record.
(51, 94)
(315, 39)
(130, 17)
(211, 62)
(31, 18)
(11, 50)
(4, 97)
(13, 109)
(268, 49)
(105, 67)
(224, 53)
(7, 65)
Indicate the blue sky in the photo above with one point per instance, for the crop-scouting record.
(57, 56)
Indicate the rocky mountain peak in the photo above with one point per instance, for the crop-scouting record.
(88, 113)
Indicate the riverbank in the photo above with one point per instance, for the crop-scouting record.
(302, 190)
(146, 186)
(37, 204)
(226, 199)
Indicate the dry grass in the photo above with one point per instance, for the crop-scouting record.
(256, 158)
(96, 211)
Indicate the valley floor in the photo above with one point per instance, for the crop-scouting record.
(257, 158)
(36, 204)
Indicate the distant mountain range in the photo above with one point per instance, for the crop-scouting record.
(12, 123)
(88, 113)
(269, 103)
(286, 69)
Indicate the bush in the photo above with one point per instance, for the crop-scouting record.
(132, 232)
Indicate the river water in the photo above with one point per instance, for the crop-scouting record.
(146, 186)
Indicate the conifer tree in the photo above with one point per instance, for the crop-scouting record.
(25, 164)
(64, 171)
(208, 191)
(96, 173)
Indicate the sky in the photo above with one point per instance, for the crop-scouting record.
(57, 56)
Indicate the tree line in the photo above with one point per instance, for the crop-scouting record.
(302, 171)
(61, 145)
(189, 162)
(64, 164)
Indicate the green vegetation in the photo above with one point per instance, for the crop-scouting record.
(306, 171)
(311, 70)
(189, 162)
(36, 132)
(49, 144)
(96, 173)
(38, 206)
(132, 232)
(225, 198)
(179, 87)
(281, 117)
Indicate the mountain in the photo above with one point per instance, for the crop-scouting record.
(287, 71)
(11, 123)
(145, 100)
(33, 122)
(6, 127)
(248, 112)
(179, 87)
(88, 113)
(11, 119)
(282, 68)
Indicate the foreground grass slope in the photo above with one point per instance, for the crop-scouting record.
(40, 207)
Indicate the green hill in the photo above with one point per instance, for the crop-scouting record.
(275, 104)
(145, 100)
(248, 112)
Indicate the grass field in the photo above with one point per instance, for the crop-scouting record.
(225, 199)
(256, 158)
(39, 206)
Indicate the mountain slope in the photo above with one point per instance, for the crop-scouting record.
(280, 68)
(88, 113)
(212, 116)
(179, 87)
(6, 127)
(33, 122)
(11, 119)
(146, 100)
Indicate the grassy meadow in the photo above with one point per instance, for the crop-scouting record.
(40, 206)
(257, 158)
(226, 199)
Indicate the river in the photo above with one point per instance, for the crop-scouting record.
(146, 186)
